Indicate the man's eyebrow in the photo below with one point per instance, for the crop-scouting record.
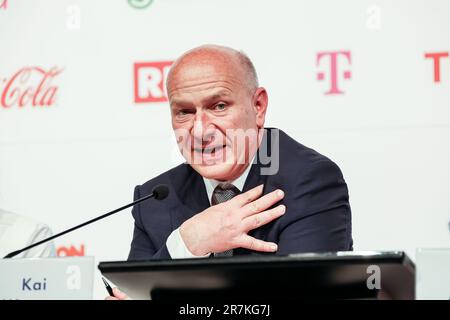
(216, 96)
(180, 103)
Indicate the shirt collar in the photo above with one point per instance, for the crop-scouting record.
(211, 184)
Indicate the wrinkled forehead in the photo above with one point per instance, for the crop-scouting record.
(194, 77)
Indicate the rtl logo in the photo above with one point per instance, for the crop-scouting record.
(149, 81)
(70, 251)
(335, 59)
(436, 58)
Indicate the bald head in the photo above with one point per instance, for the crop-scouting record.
(217, 58)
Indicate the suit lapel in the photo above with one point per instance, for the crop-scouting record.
(195, 195)
(254, 179)
(191, 192)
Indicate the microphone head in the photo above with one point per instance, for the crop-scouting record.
(160, 192)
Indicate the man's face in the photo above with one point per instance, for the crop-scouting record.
(212, 110)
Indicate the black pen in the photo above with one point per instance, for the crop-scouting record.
(108, 287)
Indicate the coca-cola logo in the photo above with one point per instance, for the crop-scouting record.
(4, 4)
(29, 86)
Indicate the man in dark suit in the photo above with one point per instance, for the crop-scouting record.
(244, 189)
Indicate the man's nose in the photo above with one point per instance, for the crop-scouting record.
(203, 129)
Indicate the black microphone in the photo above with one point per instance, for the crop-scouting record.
(160, 192)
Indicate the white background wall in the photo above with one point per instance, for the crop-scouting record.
(389, 131)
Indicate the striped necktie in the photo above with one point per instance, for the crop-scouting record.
(224, 192)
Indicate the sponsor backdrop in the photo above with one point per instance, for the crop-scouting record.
(84, 117)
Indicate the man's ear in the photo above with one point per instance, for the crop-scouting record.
(260, 101)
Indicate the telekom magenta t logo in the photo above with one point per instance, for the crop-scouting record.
(436, 57)
(334, 75)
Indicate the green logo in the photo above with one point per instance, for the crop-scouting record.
(140, 4)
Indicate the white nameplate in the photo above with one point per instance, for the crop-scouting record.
(433, 274)
(47, 278)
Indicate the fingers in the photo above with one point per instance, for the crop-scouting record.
(249, 196)
(119, 294)
(262, 203)
(258, 245)
(257, 220)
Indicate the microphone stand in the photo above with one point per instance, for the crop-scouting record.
(14, 253)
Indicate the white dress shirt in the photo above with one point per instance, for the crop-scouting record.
(175, 244)
(17, 232)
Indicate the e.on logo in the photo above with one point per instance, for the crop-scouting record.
(149, 80)
(71, 251)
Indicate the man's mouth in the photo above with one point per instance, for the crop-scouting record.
(209, 153)
(209, 150)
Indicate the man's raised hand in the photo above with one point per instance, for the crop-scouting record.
(225, 226)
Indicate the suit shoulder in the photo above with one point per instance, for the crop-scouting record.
(298, 159)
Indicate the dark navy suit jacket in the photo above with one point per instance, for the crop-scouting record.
(317, 218)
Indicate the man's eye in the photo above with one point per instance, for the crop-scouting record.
(220, 107)
(181, 113)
